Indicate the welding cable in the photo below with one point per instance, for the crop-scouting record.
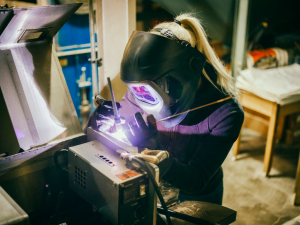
(151, 176)
(200, 107)
(57, 153)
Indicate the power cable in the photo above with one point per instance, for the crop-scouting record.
(162, 201)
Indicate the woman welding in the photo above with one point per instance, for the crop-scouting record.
(176, 80)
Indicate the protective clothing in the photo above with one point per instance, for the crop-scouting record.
(141, 135)
(102, 119)
(198, 145)
(162, 74)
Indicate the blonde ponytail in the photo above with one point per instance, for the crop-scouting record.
(192, 31)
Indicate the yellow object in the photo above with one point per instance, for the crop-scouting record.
(63, 62)
(142, 190)
(153, 156)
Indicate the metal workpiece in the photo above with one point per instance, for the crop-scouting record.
(31, 78)
(35, 24)
(34, 91)
(111, 140)
(10, 211)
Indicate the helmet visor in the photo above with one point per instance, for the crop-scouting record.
(144, 93)
(171, 86)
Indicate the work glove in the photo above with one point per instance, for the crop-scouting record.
(102, 119)
(141, 135)
(153, 156)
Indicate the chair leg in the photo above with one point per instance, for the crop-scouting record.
(270, 140)
(236, 147)
(297, 185)
(280, 127)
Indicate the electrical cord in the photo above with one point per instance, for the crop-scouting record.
(162, 201)
(57, 153)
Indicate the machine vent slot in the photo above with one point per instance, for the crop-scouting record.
(80, 177)
(30, 35)
(106, 160)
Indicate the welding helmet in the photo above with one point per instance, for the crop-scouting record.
(162, 74)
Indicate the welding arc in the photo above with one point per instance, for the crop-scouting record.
(190, 110)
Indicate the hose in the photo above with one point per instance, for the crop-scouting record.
(162, 201)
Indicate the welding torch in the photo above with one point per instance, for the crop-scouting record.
(117, 118)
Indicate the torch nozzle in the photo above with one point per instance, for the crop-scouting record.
(116, 112)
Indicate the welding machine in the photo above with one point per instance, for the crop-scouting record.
(99, 175)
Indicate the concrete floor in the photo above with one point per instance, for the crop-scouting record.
(261, 200)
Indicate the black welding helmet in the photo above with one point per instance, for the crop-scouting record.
(162, 74)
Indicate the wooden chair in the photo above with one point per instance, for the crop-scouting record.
(276, 113)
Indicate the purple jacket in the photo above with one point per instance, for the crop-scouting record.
(200, 143)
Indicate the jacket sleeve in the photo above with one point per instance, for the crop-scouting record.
(129, 107)
(210, 153)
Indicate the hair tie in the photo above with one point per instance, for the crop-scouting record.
(177, 21)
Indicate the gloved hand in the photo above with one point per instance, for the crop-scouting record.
(102, 119)
(141, 135)
(153, 156)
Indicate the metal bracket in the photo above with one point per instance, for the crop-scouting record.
(97, 61)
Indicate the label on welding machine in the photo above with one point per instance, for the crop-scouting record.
(128, 174)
